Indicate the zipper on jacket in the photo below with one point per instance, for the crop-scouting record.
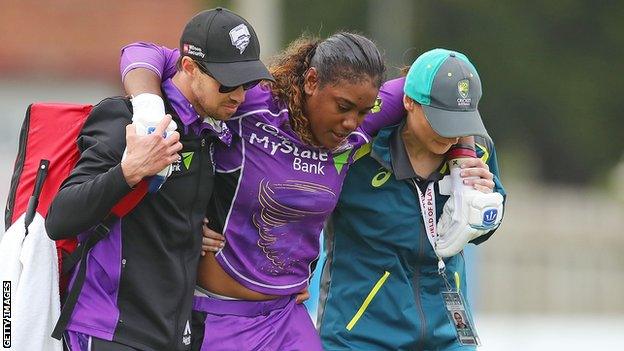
(416, 280)
(177, 336)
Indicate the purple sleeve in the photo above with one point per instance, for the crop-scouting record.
(159, 59)
(391, 112)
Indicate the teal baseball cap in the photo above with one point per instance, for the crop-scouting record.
(448, 88)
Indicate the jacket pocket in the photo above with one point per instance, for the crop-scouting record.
(367, 300)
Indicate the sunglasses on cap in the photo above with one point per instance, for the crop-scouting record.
(224, 89)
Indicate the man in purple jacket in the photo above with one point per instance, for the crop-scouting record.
(138, 289)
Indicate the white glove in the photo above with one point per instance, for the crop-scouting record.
(148, 111)
(466, 215)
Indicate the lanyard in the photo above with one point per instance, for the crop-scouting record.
(428, 212)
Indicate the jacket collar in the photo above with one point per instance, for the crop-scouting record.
(389, 150)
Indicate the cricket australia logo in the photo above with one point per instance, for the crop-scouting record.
(240, 36)
(463, 88)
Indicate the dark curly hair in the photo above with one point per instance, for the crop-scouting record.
(343, 56)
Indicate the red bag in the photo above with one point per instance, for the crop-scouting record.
(49, 132)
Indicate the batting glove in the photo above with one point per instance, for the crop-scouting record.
(466, 215)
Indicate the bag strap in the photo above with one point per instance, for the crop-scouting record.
(123, 207)
(132, 199)
(99, 233)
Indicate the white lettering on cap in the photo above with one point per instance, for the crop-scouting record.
(190, 49)
(239, 36)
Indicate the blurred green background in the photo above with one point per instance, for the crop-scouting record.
(552, 70)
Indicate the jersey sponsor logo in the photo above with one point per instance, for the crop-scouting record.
(315, 168)
(381, 178)
(176, 166)
(186, 336)
(307, 161)
(340, 160)
(187, 158)
(193, 50)
(239, 36)
(489, 217)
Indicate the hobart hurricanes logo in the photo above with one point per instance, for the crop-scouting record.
(240, 36)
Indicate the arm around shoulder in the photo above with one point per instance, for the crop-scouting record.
(158, 61)
(388, 109)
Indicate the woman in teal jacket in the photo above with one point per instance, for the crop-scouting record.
(381, 288)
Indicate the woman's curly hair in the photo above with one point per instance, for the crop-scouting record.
(344, 55)
(289, 70)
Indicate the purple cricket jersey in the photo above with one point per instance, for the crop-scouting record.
(285, 190)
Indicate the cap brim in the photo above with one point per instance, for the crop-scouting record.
(233, 74)
(452, 124)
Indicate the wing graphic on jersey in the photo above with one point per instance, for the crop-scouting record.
(283, 207)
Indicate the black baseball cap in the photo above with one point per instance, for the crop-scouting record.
(226, 45)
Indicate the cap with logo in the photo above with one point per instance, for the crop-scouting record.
(226, 45)
(448, 88)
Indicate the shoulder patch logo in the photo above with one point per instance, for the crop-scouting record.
(240, 36)
(381, 178)
(187, 158)
(377, 106)
(340, 160)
